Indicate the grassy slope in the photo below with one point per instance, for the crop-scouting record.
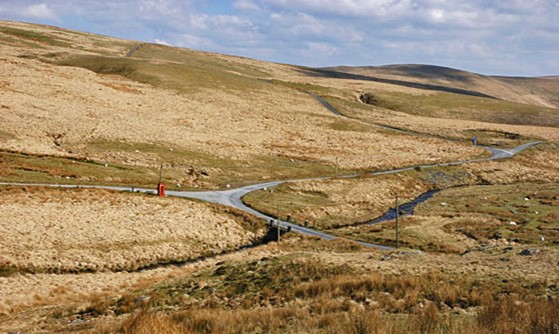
(454, 106)
(536, 91)
(296, 292)
(187, 71)
(180, 70)
(342, 290)
(391, 106)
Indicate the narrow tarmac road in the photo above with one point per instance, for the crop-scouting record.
(233, 197)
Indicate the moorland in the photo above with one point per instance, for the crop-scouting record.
(79, 109)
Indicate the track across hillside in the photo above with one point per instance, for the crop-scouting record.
(233, 197)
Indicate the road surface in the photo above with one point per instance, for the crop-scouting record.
(233, 197)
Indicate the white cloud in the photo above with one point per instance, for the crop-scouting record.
(246, 5)
(469, 34)
(305, 27)
(159, 7)
(320, 49)
(40, 11)
(161, 41)
(437, 15)
(377, 8)
(195, 42)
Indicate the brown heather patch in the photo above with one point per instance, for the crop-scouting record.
(283, 124)
(77, 230)
(356, 301)
(334, 203)
(275, 130)
(330, 291)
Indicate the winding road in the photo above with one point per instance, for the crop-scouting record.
(233, 197)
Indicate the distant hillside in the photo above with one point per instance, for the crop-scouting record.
(542, 91)
(216, 120)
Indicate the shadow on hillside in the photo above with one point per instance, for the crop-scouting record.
(427, 72)
(325, 73)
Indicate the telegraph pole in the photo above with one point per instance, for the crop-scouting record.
(337, 166)
(278, 223)
(397, 214)
(160, 185)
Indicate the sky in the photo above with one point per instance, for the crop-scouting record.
(500, 37)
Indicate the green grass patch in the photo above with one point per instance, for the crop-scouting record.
(457, 106)
(189, 169)
(175, 69)
(521, 212)
(19, 42)
(283, 200)
(304, 87)
(33, 36)
(218, 171)
(167, 154)
(196, 59)
(124, 46)
(519, 114)
(47, 169)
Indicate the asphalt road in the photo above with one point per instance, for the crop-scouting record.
(233, 197)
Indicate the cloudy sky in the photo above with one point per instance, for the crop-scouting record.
(502, 37)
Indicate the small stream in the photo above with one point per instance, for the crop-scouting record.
(405, 209)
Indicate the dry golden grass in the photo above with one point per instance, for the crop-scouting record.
(73, 108)
(53, 230)
(329, 204)
(327, 291)
(357, 293)
(151, 323)
(224, 123)
(539, 164)
(507, 315)
(523, 90)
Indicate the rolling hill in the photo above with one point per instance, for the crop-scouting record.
(541, 91)
(81, 109)
(215, 120)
